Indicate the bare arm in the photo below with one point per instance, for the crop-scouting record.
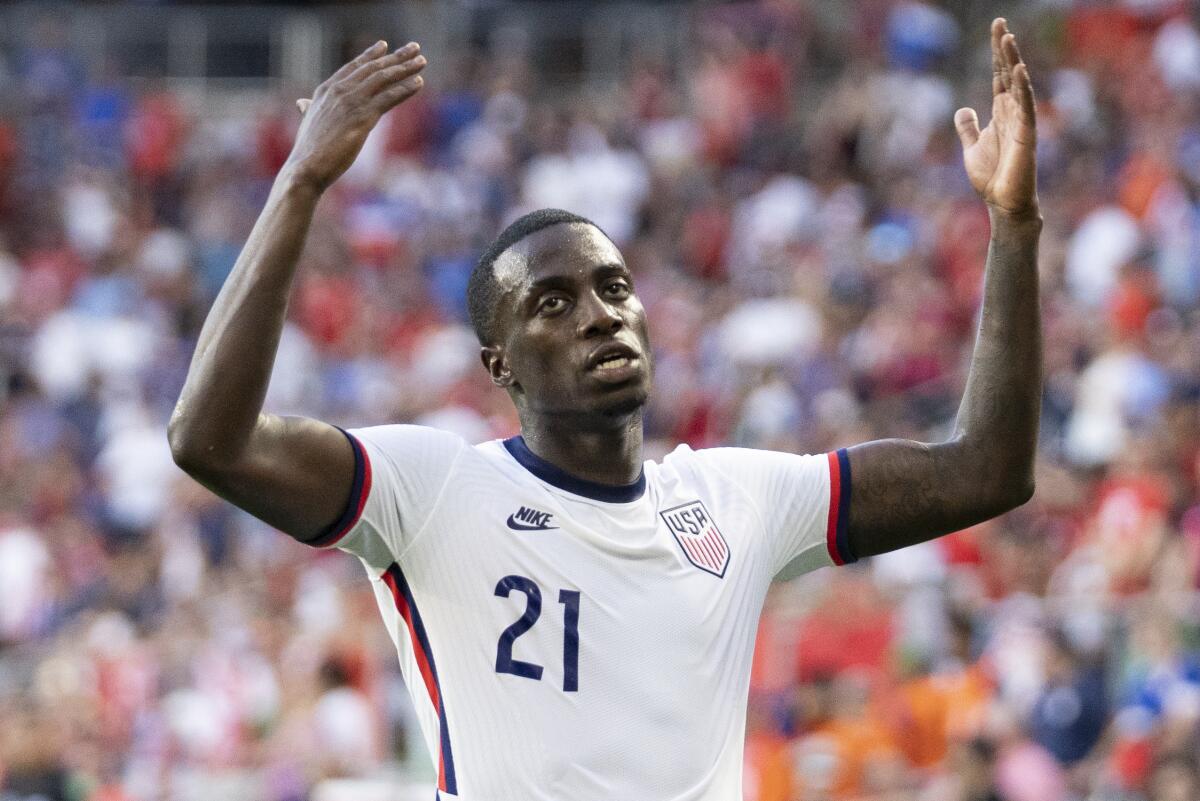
(291, 472)
(907, 492)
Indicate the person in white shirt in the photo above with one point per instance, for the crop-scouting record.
(574, 622)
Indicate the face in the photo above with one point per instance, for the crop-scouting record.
(572, 333)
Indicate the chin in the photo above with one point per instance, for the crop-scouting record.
(625, 406)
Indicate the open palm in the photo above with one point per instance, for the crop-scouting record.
(1001, 159)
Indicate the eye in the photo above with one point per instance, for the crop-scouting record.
(617, 288)
(552, 304)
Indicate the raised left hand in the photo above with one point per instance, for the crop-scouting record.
(1001, 160)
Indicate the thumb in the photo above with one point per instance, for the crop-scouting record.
(967, 125)
(303, 104)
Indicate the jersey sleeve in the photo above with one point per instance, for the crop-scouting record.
(400, 472)
(803, 502)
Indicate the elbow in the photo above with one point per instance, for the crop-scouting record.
(1023, 491)
(211, 457)
(183, 450)
(191, 454)
(1002, 484)
(1015, 493)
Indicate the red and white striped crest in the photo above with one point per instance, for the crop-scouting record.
(698, 537)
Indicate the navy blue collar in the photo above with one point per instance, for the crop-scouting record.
(618, 493)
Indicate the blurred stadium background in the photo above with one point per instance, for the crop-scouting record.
(784, 178)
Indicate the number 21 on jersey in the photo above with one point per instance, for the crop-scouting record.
(533, 610)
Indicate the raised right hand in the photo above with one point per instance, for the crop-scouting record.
(347, 106)
(1001, 160)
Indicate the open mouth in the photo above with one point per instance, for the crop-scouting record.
(614, 362)
(616, 370)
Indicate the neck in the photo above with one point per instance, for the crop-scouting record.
(608, 451)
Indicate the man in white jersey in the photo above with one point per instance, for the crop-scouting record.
(574, 623)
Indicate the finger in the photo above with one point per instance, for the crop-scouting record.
(397, 93)
(966, 122)
(390, 75)
(373, 52)
(1006, 65)
(1011, 51)
(1011, 56)
(1023, 91)
(999, 81)
(410, 50)
(364, 71)
(303, 104)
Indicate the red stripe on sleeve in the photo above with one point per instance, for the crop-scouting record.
(354, 506)
(366, 488)
(362, 496)
(835, 497)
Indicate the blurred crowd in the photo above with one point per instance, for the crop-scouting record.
(790, 197)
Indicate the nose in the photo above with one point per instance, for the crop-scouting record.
(598, 318)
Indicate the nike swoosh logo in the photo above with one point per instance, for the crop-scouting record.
(515, 526)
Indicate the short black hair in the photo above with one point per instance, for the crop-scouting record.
(483, 291)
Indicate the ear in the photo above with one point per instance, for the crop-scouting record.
(497, 365)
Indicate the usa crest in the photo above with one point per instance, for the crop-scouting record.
(698, 537)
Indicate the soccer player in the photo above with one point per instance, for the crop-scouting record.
(575, 623)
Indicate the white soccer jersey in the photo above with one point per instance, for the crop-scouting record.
(570, 641)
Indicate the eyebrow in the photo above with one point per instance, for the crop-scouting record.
(562, 282)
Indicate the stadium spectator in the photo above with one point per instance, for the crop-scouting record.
(808, 252)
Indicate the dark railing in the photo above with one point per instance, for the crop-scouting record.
(231, 46)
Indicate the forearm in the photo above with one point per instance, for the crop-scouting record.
(997, 425)
(295, 473)
(907, 492)
(222, 397)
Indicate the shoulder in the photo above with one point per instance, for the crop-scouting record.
(409, 440)
(414, 455)
(747, 465)
(726, 458)
(710, 464)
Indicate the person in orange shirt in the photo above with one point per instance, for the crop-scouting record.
(849, 754)
(947, 705)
